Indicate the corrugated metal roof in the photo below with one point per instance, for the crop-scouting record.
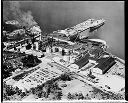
(83, 61)
(106, 64)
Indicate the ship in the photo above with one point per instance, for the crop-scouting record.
(84, 59)
(79, 31)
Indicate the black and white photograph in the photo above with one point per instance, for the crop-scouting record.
(62, 51)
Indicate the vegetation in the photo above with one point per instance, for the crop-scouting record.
(7, 71)
(11, 62)
(48, 90)
(12, 93)
(76, 96)
(106, 96)
(29, 46)
(96, 94)
(10, 66)
(4, 38)
(65, 77)
(30, 61)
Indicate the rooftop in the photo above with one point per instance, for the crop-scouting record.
(82, 61)
(106, 64)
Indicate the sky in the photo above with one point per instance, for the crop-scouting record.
(54, 15)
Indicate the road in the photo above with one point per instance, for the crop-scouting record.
(82, 78)
(64, 69)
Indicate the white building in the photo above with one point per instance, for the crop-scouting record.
(97, 70)
(48, 50)
(36, 45)
(73, 67)
(66, 58)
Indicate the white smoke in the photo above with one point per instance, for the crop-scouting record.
(14, 10)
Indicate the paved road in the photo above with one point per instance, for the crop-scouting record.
(64, 69)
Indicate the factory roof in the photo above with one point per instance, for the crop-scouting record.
(106, 64)
(82, 61)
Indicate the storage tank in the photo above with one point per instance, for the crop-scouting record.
(66, 58)
(48, 50)
(60, 49)
(72, 60)
(97, 70)
(74, 67)
(37, 46)
(53, 49)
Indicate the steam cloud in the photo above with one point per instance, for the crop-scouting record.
(13, 11)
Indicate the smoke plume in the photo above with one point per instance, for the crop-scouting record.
(12, 11)
(56, 15)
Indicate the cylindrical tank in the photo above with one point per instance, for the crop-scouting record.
(48, 50)
(37, 46)
(66, 58)
(60, 49)
(53, 49)
(72, 60)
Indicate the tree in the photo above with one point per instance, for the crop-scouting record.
(80, 96)
(3, 46)
(23, 94)
(15, 97)
(4, 38)
(69, 96)
(58, 95)
(53, 89)
(65, 77)
(10, 92)
(32, 90)
(18, 91)
(87, 97)
(30, 61)
(6, 72)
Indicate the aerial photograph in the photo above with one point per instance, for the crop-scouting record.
(62, 51)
